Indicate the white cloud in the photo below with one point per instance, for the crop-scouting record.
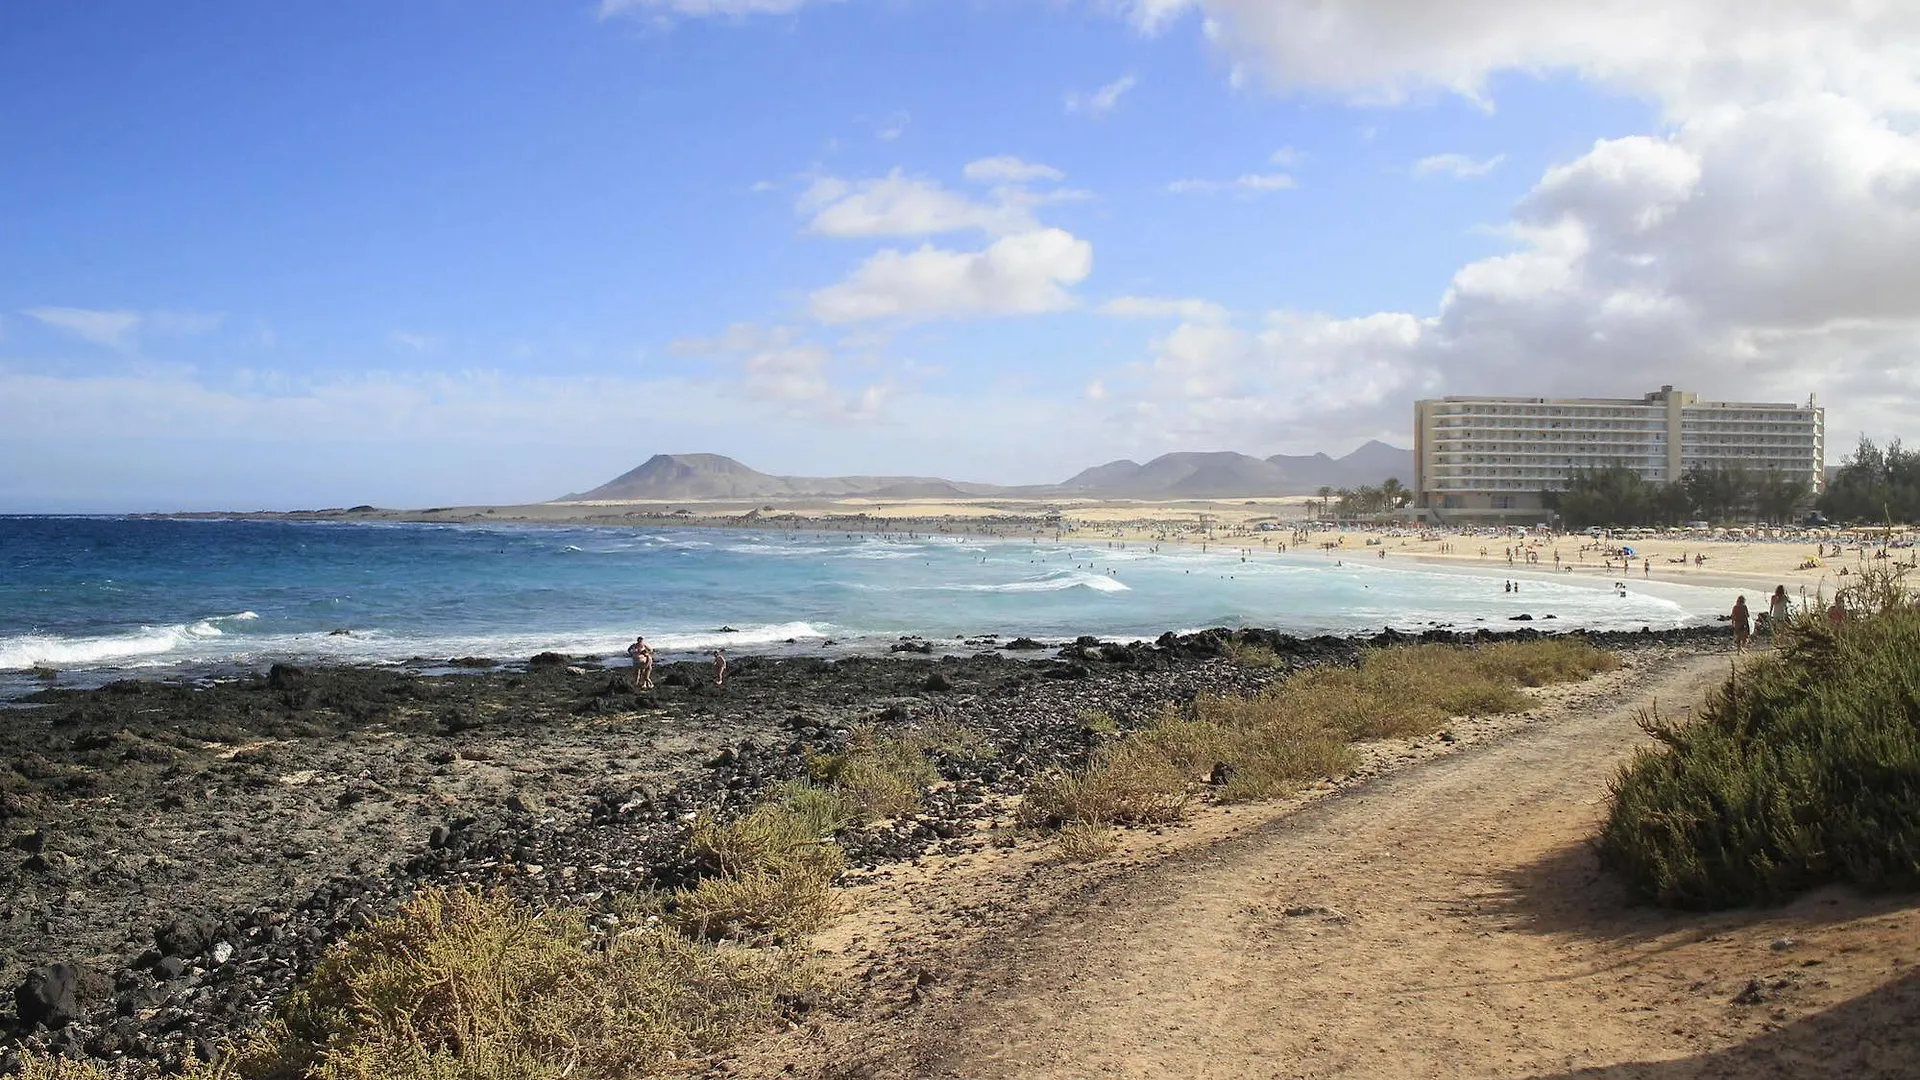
(111, 328)
(1287, 155)
(1007, 169)
(902, 205)
(761, 187)
(895, 127)
(1103, 100)
(1153, 16)
(1757, 246)
(1026, 273)
(1249, 183)
(1154, 307)
(1692, 56)
(1457, 166)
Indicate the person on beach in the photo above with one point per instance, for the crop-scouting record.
(642, 654)
(719, 668)
(1836, 612)
(1779, 610)
(1742, 624)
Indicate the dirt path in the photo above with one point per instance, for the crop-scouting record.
(1443, 920)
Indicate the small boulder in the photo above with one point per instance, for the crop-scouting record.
(185, 938)
(50, 995)
(938, 683)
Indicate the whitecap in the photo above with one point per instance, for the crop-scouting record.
(25, 651)
(1073, 579)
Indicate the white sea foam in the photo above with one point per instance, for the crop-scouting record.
(746, 635)
(25, 651)
(1055, 582)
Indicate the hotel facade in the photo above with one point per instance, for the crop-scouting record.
(1490, 458)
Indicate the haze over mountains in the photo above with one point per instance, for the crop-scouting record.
(1221, 474)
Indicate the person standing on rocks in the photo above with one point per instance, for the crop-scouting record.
(642, 654)
(719, 668)
(1742, 623)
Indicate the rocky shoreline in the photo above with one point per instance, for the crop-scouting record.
(180, 856)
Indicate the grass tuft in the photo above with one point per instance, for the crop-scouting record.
(458, 984)
(1082, 841)
(1298, 729)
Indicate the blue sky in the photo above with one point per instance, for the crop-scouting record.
(327, 253)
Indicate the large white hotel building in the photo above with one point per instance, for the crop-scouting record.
(1491, 457)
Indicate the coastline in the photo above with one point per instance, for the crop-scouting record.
(1734, 561)
(274, 815)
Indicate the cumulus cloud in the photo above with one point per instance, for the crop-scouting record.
(1757, 246)
(1103, 100)
(1155, 307)
(1457, 166)
(1022, 274)
(1007, 169)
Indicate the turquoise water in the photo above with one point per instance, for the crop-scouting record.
(110, 595)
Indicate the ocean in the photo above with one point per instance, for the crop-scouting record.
(97, 598)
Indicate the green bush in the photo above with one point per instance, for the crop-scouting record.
(1803, 769)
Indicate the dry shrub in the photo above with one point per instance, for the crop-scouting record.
(460, 985)
(1545, 661)
(770, 872)
(881, 777)
(37, 1066)
(1127, 783)
(1082, 841)
(1299, 729)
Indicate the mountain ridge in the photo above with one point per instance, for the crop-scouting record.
(1177, 475)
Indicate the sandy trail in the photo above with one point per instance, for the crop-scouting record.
(1444, 920)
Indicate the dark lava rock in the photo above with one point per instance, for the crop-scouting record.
(1222, 774)
(1024, 644)
(50, 995)
(285, 676)
(676, 678)
(473, 662)
(183, 937)
(548, 659)
(938, 683)
(922, 647)
(1522, 617)
(33, 843)
(1068, 671)
(169, 968)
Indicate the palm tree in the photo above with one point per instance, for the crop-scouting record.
(1396, 493)
(1325, 493)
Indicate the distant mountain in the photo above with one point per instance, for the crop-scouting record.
(1218, 475)
(666, 477)
(1372, 462)
(1221, 474)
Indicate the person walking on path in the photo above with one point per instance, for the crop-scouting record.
(1742, 624)
(642, 654)
(719, 668)
(1779, 611)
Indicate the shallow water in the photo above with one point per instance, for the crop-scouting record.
(104, 596)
